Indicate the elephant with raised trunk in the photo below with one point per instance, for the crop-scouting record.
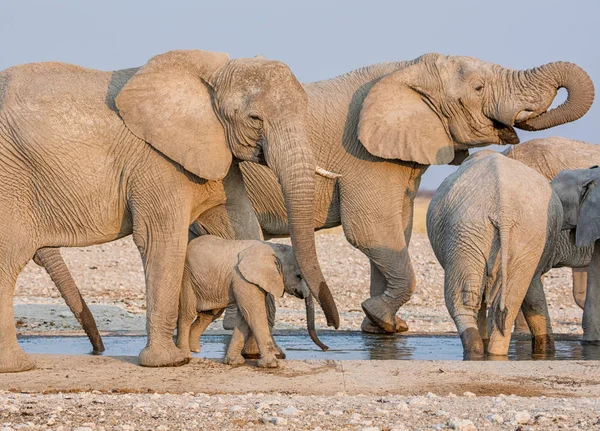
(381, 126)
(87, 157)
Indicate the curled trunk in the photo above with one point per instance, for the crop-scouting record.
(295, 169)
(310, 323)
(56, 267)
(569, 76)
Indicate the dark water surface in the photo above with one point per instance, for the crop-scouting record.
(343, 345)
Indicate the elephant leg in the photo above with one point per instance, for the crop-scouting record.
(591, 309)
(463, 296)
(162, 241)
(241, 332)
(521, 326)
(55, 266)
(251, 350)
(199, 326)
(377, 288)
(535, 312)
(580, 276)
(483, 326)
(187, 315)
(14, 256)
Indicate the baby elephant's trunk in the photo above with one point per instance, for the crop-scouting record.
(310, 322)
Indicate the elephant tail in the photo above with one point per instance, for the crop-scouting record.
(498, 297)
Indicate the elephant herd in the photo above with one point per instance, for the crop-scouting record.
(196, 144)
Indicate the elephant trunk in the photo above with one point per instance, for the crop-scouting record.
(286, 154)
(56, 267)
(580, 89)
(310, 323)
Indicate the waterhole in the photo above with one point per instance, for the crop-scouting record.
(342, 346)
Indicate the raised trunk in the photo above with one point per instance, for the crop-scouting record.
(54, 264)
(286, 154)
(575, 80)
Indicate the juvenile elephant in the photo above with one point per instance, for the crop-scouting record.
(579, 193)
(87, 157)
(381, 126)
(550, 156)
(220, 272)
(494, 225)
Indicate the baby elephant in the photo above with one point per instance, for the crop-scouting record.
(219, 272)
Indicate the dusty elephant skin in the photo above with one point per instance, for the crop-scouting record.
(494, 242)
(550, 156)
(219, 272)
(379, 127)
(144, 153)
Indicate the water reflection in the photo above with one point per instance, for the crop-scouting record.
(342, 346)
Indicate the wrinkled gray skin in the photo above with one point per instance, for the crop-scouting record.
(88, 157)
(550, 156)
(221, 272)
(382, 125)
(407, 115)
(494, 242)
(579, 193)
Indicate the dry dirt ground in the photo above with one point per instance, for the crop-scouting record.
(92, 393)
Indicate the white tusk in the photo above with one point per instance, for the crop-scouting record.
(325, 173)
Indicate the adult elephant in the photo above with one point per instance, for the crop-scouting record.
(381, 126)
(87, 157)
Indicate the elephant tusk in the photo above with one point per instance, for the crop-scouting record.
(327, 174)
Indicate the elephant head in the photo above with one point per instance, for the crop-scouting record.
(198, 108)
(436, 107)
(579, 193)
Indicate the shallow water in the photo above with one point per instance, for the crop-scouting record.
(342, 346)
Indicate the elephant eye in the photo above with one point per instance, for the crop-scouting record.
(479, 88)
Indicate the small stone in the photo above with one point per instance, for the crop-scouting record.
(441, 413)
(7, 429)
(417, 401)
(496, 419)
(522, 417)
(399, 427)
(290, 411)
(431, 395)
(462, 425)
(162, 428)
(275, 420)
(451, 395)
(194, 406)
(469, 394)
(370, 429)
(237, 409)
(83, 429)
(335, 413)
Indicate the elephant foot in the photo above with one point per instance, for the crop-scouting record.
(251, 350)
(542, 344)
(268, 361)
(279, 353)
(195, 346)
(370, 328)
(15, 360)
(163, 356)
(472, 344)
(234, 360)
(380, 314)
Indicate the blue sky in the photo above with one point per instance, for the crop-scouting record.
(317, 39)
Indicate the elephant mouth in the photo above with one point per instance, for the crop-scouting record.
(506, 134)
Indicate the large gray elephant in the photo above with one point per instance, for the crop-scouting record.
(87, 157)
(380, 127)
(495, 238)
(550, 156)
(579, 193)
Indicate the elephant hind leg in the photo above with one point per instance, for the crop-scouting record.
(14, 255)
(535, 311)
(199, 326)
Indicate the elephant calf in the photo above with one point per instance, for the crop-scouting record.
(493, 225)
(219, 272)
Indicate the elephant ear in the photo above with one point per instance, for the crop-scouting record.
(259, 265)
(588, 221)
(167, 103)
(396, 123)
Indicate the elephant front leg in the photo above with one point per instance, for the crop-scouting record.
(199, 326)
(591, 308)
(241, 332)
(163, 254)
